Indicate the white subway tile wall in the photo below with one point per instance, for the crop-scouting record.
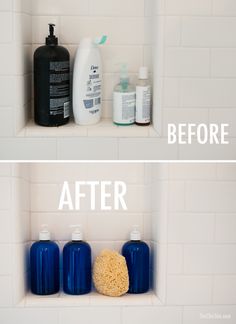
(193, 241)
(196, 241)
(198, 67)
(15, 65)
(14, 232)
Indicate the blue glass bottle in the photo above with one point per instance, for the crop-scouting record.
(77, 269)
(137, 255)
(44, 265)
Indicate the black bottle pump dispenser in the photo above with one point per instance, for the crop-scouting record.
(51, 83)
(51, 39)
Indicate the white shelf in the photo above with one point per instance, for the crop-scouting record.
(105, 128)
(92, 299)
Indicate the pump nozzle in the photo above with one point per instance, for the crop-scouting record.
(51, 39)
(135, 234)
(124, 71)
(100, 40)
(124, 77)
(77, 234)
(51, 29)
(44, 234)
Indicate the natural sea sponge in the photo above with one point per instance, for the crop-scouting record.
(110, 274)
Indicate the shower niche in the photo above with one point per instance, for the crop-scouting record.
(133, 38)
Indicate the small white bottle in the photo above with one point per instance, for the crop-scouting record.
(124, 100)
(87, 82)
(143, 98)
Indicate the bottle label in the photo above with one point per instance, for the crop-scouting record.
(60, 88)
(143, 104)
(124, 107)
(93, 100)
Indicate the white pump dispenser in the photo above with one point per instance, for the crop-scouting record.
(77, 234)
(44, 234)
(124, 100)
(135, 235)
(87, 82)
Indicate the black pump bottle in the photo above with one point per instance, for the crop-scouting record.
(51, 83)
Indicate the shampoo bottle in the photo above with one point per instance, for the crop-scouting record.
(137, 255)
(124, 100)
(143, 98)
(51, 83)
(44, 265)
(87, 82)
(77, 275)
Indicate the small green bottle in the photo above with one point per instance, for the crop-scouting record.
(124, 100)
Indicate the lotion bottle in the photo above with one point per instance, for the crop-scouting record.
(143, 98)
(44, 265)
(137, 255)
(77, 273)
(124, 100)
(51, 83)
(87, 82)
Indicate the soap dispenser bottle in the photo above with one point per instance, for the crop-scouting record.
(51, 83)
(77, 272)
(124, 100)
(137, 255)
(44, 265)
